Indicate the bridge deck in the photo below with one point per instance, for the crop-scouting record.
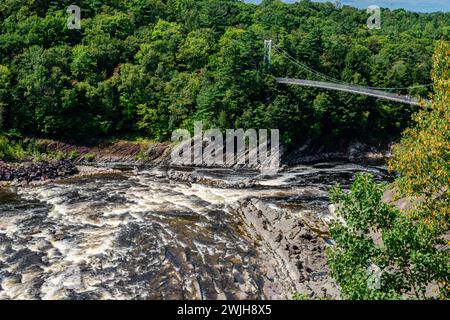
(351, 89)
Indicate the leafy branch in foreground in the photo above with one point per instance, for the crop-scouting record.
(371, 233)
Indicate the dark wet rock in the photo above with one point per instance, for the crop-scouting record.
(41, 171)
(43, 245)
(73, 295)
(25, 258)
(311, 153)
(193, 177)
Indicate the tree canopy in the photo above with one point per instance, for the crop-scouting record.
(147, 67)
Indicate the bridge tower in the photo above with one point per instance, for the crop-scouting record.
(267, 52)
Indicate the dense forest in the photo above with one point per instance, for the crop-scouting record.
(147, 67)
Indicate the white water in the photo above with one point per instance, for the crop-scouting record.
(139, 235)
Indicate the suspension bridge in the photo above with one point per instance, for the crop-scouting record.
(338, 85)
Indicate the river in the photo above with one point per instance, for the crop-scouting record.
(144, 233)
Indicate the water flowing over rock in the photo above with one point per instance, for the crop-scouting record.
(171, 233)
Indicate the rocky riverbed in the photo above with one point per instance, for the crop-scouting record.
(296, 242)
(171, 233)
(139, 229)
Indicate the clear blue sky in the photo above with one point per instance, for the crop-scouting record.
(411, 5)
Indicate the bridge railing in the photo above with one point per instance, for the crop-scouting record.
(352, 89)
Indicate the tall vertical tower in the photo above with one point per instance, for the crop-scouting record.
(267, 52)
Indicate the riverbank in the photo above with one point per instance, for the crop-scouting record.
(156, 153)
(61, 159)
(30, 172)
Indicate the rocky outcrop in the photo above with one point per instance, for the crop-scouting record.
(350, 151)
(295, 245)
(118, 152)
(156, 153)
(28, 172)
(194, 177)
(258, 156)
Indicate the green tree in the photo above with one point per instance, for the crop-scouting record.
(373, 235)
(4, 89)
(357, 65)
(131, 55)
(196, 49)
(422, 159)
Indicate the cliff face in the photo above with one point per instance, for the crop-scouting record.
(153, 153)
(353, 151)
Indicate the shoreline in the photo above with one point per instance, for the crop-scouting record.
(145, 153)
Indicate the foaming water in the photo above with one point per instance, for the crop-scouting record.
(141, 235)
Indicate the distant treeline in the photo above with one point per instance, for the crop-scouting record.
(147, 67)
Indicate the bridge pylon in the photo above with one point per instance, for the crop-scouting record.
(267, 52)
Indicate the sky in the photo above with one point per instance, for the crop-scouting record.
(411, 5)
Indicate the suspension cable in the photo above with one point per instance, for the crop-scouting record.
(321, 75)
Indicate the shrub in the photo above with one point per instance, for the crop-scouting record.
(90, 157)
(11, 151)
(74, 155)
